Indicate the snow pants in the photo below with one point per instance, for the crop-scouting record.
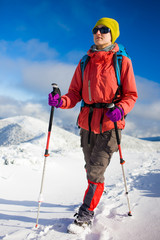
(97, 157)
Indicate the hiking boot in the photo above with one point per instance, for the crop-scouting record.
(80, 225)
(83, 220)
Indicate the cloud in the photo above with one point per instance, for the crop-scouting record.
(39, 76)
(143, 120)
(31, 67)
(148, 102)
(148, 91)
(9, 107)
(34, 77)
(63, 26)
(32, 49)
(148, 111)
(26, 81)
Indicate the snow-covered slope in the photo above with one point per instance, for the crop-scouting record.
(24, 134)
(20, 136)
(22, 146)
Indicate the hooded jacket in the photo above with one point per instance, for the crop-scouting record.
(99, 86)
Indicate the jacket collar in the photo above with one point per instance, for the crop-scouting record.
(112, 48)
(106, 49)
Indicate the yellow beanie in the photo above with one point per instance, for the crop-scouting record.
(112, 24)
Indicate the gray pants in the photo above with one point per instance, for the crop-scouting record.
(98, 154)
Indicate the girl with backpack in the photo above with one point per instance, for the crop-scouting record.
(97, 86)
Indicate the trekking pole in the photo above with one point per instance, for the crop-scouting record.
(121, 161)
(55, 91)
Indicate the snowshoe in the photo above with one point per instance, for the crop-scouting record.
(75, 228)
(79, 225)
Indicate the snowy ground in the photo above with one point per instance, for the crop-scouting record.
(22, 145)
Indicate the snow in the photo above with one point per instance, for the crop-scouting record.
(22, 147)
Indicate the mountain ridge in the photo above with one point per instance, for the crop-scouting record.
(21, 129)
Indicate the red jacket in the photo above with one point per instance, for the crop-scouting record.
(99, 86)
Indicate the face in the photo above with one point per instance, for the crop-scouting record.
(102, 40)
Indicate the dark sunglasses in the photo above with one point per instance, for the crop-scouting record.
(102, 30)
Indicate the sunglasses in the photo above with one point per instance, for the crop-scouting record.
(102, 30)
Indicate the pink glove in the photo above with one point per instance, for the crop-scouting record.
(55, 101)
(116, 114)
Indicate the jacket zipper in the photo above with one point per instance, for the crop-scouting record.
(89, 90)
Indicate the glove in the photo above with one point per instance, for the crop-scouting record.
(55, 101)
(116, 114)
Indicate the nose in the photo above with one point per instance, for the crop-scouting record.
(98, 32)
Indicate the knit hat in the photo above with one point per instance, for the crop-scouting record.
(112, 25)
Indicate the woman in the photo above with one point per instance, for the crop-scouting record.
(98, 88)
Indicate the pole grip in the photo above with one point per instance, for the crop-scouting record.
(56, 90)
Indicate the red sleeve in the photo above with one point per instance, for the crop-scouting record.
(74, 93)
(129, 90)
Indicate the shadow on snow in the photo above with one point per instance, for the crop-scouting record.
(58, 224)
(148, 183)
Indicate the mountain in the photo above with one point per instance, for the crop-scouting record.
(17, 130)
(22, 146)
(23, 134)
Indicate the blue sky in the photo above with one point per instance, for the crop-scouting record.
(41, 41)
(66, 26)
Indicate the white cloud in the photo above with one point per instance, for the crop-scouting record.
(25, 81)
(143, 120)
(40, 76)
(32, 49)
(29, 75)
(148, 111)
(148, 91)
(10, 107)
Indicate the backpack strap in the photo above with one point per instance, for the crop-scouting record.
(84, 61)
(122, 51)
(117, 61)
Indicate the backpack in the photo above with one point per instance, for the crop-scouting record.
(117, 61)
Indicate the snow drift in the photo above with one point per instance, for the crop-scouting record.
(22, 146)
